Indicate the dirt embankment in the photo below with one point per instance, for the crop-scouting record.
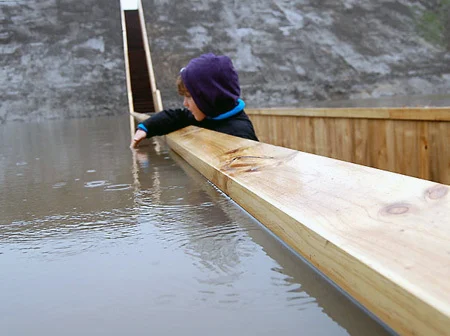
(64, 58)
(294, 53)
(60, 59)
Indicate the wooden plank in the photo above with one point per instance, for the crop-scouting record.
(382, 237)
(360, 141)
(320, 136)
(400, 113)
(402, 146)
(140, 117)
(424, 153)
(331, 302)
(407, 154)
(127, 70)
(441, 138)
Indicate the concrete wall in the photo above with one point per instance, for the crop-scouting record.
(61, 59)
(300, 53)
(64, 58)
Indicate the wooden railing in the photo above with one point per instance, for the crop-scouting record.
(410, 141)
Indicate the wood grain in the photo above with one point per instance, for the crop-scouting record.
(416, 147)
(127, 70)
(382, 237)
(394, 113)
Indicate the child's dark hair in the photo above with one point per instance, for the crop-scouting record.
(182, 90)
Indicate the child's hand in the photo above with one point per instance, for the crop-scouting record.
(138, 137)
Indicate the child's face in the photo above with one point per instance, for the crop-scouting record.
(190, 104)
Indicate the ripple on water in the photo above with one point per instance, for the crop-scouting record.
(59, 185)
(67, 229)
(95, 184)
(117, 187)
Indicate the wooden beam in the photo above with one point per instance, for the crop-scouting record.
(382, 237)
(404, 113)
(349, 316)
(127, 70)
(139, 117)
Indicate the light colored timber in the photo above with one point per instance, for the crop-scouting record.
(416, 147)
(127, 70)
(158, 102)
(347, 316)
(400, 113)
(382, 237)
(140, 117)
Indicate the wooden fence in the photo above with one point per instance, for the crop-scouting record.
(409, 141)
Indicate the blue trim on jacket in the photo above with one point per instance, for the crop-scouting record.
(239, 107)
(142, 127)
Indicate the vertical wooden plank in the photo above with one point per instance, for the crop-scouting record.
(360, 147)
(291, 132)
(266, 134)
(434, 148)
(331, 135)
(442, 158)
(344, 139)
(280, 132)
(320, 137)
(377, 156)
(423, 152)
(406, 148)
(390, 141)
(305, 139)
(274, 130)
(260, 127)
(127, 71)
(399, 135)
(445, 161)
(284, 127)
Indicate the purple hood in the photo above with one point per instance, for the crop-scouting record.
(213, 83)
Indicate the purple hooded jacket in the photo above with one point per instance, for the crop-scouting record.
(213, 83)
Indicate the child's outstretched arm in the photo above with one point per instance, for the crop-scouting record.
(162, 123)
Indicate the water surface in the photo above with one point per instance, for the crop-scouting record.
(96, 240)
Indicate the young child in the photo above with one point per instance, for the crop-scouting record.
(210, 86)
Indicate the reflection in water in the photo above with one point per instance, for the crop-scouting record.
(97, 239)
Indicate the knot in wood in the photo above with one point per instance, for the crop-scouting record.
(396, 209)
(249, 163)
(437, 191)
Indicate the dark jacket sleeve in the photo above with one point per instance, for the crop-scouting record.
(167, 121)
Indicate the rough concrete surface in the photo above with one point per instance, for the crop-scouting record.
(64, 58)
(306, 52)
(61, 59)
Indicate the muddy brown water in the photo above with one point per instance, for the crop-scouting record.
(97, 241)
